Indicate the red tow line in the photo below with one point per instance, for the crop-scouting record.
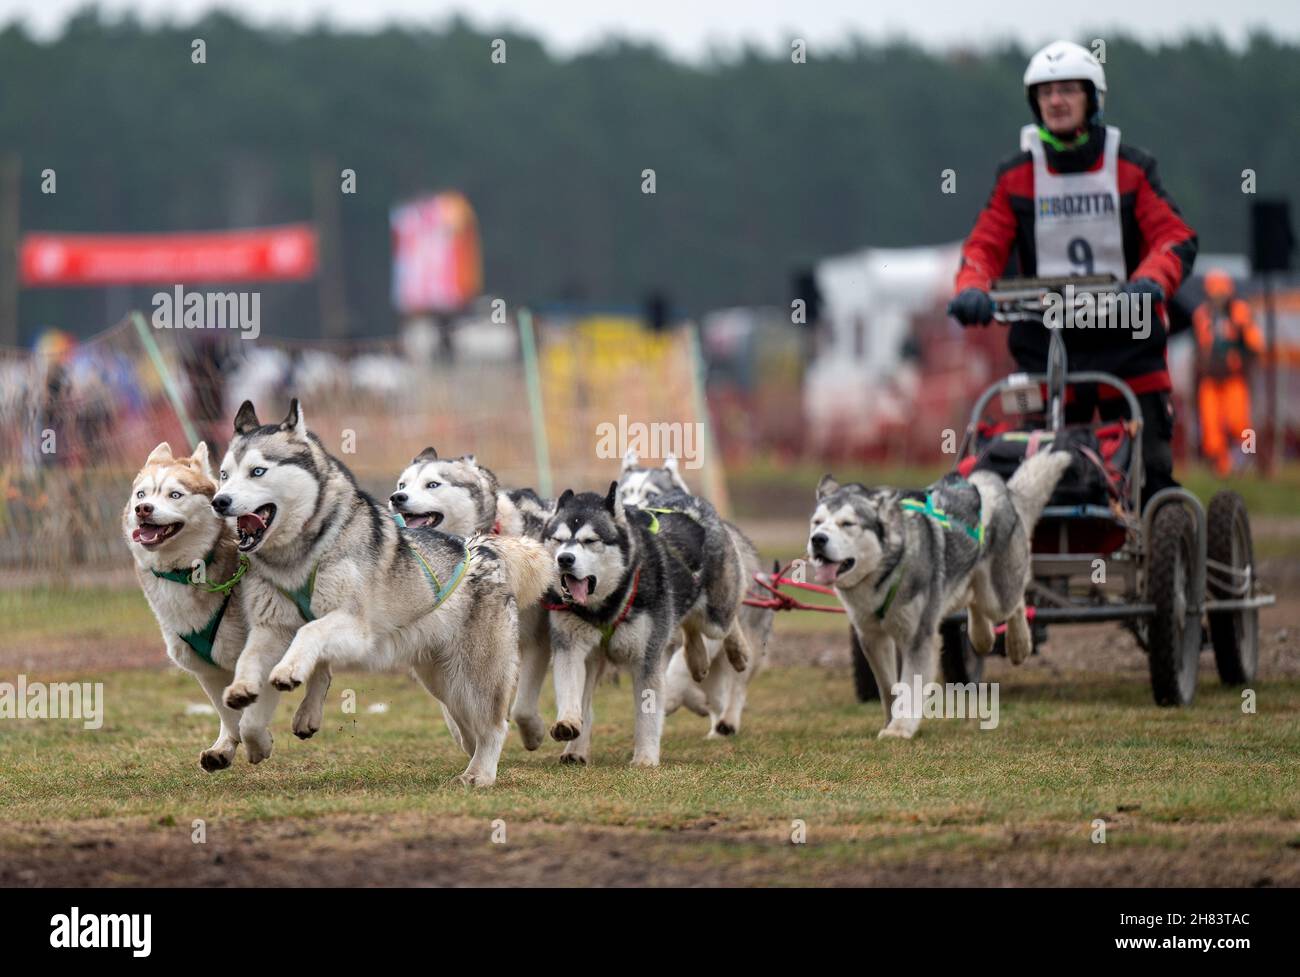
(778, 601)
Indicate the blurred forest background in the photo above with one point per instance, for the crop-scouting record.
(762, 164)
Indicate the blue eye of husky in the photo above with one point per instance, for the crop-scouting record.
(140, 494)
(223, 474)
(175, 495)
(431, 485)
(257, 472)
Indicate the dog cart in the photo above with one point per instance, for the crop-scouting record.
(1175, 573)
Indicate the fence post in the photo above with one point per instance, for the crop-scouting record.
(532, 376)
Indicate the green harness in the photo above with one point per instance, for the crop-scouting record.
(301, 596)
(928, 508)
(203, 640)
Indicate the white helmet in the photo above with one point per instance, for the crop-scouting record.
(1066, 61)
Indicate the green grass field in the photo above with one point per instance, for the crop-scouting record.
(1169, 783)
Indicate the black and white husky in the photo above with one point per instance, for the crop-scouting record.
(721, 695)
(901, 563)
(335, 582)
(629, 579)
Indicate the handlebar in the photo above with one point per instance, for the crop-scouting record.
(1025, 299)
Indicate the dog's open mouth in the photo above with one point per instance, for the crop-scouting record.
(427, 520)
(252, 526)
(826, 572)
(576, 590)
(150, 534)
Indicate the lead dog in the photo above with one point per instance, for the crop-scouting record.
(900, 565)
(334, 581)
(629, 580)
(188, 568)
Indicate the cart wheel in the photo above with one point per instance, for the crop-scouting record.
(864, 683)
(961, 662)
(1174, 636)
(1234, 634)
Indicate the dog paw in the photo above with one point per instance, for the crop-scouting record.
(258, 745)
(282, 678)
(644, 760)
(739, 660)
(304, 729)
(566, 729)
(470, 779)
(214, 760)
(893, 731)
(699, 674)
(238, 695)
(575, 758)
(531, 730)
(724, 728)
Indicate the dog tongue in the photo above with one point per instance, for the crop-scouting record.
(146, 534)
(826, 572)
(577, 588)
(251, 523)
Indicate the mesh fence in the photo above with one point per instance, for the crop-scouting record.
(78, 420)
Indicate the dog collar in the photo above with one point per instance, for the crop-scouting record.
(897, 574)
(185, 576)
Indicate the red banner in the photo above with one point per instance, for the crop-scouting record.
(285, 253)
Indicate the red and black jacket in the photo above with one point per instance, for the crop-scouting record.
(1158, 245)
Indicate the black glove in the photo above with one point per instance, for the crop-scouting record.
(972, 306)
(1142, 286)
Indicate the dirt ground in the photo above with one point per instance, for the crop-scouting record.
(413, 851)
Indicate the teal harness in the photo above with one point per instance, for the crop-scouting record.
(928, 508)
(203, 640)
(301, 596)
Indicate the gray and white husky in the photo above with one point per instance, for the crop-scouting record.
(722, 693)
(334, 582)
(900, 564)
(458, 495)
(184, 553)
(629, 580)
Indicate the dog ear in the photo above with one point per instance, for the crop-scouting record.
(565, 498)
(428, 454)
(630, 460)
(614, 501)
(294, 421)
(200, 459)
(827, 486)
(246, 420)
(161, 455)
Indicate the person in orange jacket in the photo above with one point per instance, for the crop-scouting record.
(1227, 342)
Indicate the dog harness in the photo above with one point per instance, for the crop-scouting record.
(927, 508)
(301, 596)
(204, 639)
(606, 630)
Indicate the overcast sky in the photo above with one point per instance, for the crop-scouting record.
(688, 28)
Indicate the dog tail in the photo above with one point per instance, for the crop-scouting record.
(528, 566)
(1033, 483)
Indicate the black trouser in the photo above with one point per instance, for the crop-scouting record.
(1157, 430)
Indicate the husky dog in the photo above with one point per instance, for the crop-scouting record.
(721, 695)
(334, 581)
(629, 579)
(642, 486)
(172, 532)
(461, 496)
(901, 564)
(456, 495)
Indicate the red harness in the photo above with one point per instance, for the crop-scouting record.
(608, 630)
